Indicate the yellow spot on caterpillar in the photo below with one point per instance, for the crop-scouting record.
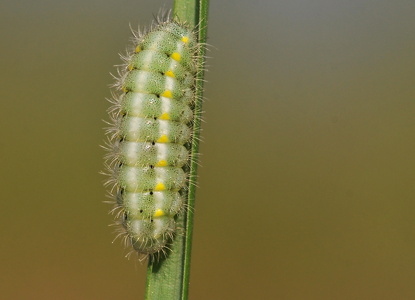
(159, 187)
(185, 39)
(167, 94)
(169, 73)
(130, 67)
(124, 89)
(158, 213)
(176, 56)
(163, 139)
(161, 163)
(164, 116)
(137, 49)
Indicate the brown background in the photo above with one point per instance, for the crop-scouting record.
(307, 185)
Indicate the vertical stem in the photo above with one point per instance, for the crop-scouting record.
(168, 278)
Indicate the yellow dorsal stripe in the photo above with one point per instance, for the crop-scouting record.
(167, 94)
(169, 73)
(164, 116)
(163, 139)
(176, 56)
(160, 187)
(161, 163)
(158, 213)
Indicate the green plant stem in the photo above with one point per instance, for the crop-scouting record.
(168, 278)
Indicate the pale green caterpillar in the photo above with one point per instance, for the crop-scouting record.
(150, 133)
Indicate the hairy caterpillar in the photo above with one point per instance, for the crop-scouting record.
(150, 133)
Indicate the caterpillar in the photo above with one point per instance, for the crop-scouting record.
(150, 134)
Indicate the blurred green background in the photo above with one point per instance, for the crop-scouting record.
(307, 185)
